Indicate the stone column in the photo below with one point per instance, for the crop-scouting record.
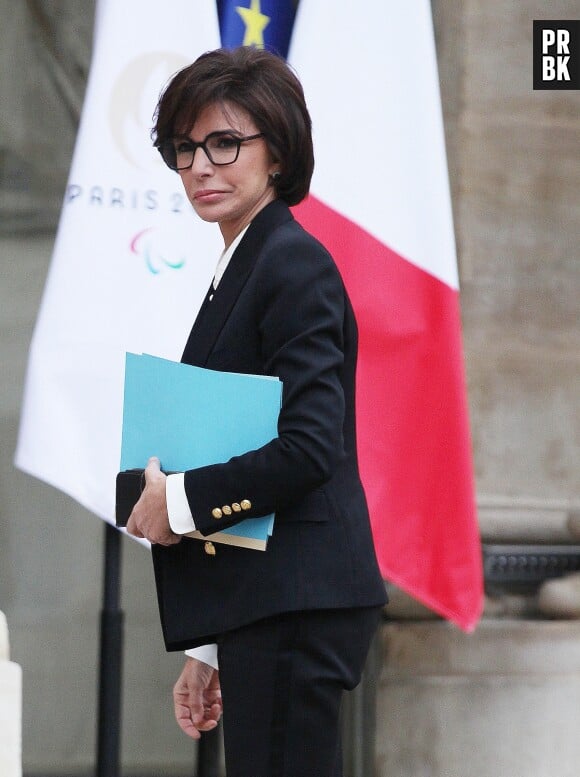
(10, 709)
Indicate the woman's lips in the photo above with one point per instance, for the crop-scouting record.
(207, 195)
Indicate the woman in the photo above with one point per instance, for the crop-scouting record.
(292, 624)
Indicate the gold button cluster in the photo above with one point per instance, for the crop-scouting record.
(235, 507)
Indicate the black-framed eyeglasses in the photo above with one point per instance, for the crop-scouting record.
(221, 148)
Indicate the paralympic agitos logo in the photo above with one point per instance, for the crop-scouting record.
(155, 252)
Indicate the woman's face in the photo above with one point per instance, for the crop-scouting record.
(229, 194)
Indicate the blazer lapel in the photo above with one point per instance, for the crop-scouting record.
(213, 314)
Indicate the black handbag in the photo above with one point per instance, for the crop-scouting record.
(129, 485)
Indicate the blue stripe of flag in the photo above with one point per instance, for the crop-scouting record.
(276, 32)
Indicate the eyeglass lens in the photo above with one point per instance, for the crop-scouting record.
(221, 148)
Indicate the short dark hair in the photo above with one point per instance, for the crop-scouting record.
(266, 88)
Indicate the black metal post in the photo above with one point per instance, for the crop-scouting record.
(208, 754)
(111, 659)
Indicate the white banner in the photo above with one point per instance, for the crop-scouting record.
(131, 260)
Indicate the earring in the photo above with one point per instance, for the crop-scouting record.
(275, 177)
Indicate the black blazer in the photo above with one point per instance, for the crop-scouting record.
(280, 309)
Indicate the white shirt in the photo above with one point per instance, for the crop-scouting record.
(180, 518)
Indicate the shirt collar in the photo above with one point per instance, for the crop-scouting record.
(224, 259)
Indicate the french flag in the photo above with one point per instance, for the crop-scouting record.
(380, 203)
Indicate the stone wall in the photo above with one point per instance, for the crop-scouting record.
(44, 59)
(515, 174)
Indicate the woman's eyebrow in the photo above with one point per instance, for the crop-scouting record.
(229, 131)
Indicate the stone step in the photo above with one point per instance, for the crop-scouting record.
(10, 709)
(502, 702)
(4, 649)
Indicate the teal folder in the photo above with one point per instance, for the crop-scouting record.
(190, 417)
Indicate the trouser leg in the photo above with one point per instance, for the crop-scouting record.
(282, 682)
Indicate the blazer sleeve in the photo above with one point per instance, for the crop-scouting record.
(299, 304)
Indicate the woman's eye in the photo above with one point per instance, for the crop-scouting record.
(182, 147)
(225, 141)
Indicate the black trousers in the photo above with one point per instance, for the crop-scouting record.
(282, 682)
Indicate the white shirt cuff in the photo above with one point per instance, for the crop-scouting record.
(180, 517)
(205, 653)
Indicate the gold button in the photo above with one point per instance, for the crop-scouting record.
(216, 512)
(227, 510)
(245, 504)
(209, 548)
(236, 507)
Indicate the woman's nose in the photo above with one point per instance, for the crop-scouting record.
(201, 164)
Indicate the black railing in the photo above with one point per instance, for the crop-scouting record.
(525, 567)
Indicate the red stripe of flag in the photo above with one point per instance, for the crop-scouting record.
(412, 417)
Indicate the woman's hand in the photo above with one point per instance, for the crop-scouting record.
(149, 519)
(197, 698)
